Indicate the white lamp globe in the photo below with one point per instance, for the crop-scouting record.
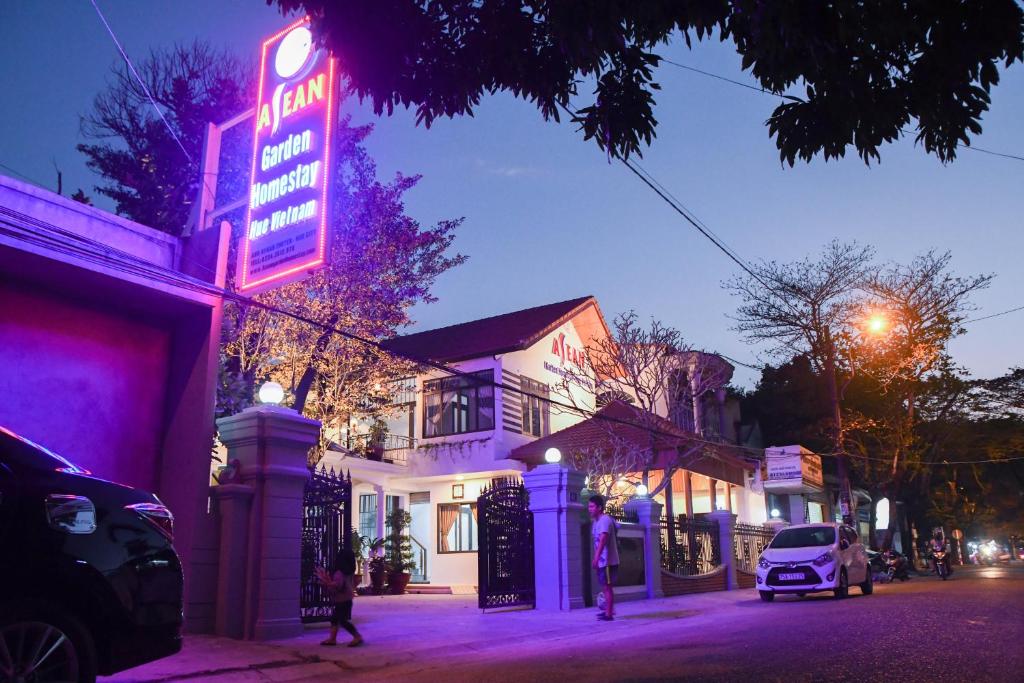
(271, 393)
(775, 513)
(552, 455)
(641, 491)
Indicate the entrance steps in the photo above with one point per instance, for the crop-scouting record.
(434, 589)
(428, 589)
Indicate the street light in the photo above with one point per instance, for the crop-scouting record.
(271, 393)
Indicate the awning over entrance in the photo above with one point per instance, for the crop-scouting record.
(618, 422)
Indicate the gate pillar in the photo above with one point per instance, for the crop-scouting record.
(557, 536)
(648, 513)
(271, 445)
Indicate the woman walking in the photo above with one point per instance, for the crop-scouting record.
(340, 583)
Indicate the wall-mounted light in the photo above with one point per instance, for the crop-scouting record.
(271, 393)
(458, 491)
(552, 455)
(775, 513)
(459, 477)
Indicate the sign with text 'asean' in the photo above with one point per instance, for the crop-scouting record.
(286, 224)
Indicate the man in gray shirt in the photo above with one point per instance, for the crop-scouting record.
(606, 553)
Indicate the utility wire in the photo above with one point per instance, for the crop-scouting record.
(765, 91)
(994, 315)
(22, 175)
(142, 83)
(34, 231)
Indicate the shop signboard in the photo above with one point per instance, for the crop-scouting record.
(793, 471)
(286, 223)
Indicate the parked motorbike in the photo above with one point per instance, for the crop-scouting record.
(896, 566)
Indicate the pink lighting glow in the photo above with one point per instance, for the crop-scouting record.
(285, 234)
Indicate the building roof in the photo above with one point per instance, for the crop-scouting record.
(490, 336)
(620, 422)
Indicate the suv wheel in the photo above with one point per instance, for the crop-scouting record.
(843, 589)
(40, 644)
(868, 586)
(767, 596)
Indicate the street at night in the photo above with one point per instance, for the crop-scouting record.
(474, 342)
(966, 628)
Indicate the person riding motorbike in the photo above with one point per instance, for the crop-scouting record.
(938, 545)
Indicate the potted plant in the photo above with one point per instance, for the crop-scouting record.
(377, 565)
(399, 551)
(376, 438)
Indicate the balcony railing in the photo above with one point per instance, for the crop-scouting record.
(390, 448)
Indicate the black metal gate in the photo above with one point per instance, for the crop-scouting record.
(505, 546)
(326, 529)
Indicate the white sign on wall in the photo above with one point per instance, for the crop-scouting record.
(793, 471)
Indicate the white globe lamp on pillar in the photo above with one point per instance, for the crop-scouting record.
(271, 393)
(641, 491)
(552, 456)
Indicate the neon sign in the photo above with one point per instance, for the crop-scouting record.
(286, 222)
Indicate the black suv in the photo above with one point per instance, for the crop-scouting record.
(89, 581)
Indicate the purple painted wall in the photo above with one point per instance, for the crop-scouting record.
(88, 383)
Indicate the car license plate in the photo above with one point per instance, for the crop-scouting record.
(791, 576)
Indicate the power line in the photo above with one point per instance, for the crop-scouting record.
(22, 175)
(765, 91)
(142, 83)
(111, 257)
(994, 315)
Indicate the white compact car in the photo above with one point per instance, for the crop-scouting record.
(810, 558)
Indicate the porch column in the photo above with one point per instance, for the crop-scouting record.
(670, 520)
(557, 536)
(688, 493)
(728, 497)
(271, 445)
(713, 493)
(381, 502)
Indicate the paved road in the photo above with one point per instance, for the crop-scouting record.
(968, 628)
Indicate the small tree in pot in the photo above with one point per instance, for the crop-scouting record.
(378, 566)
(399, 551)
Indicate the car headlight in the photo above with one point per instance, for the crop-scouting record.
(823, 559)
(763, 563)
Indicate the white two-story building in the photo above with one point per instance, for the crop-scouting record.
(448, 437)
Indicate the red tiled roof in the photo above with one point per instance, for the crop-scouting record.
(488, 336)
(717, 460)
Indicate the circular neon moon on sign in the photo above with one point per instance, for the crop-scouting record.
(293, 52)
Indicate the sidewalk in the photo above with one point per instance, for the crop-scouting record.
(421, 631)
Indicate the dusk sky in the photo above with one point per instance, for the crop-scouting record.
(547, 217)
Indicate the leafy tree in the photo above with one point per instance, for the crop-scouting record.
(851, 72)
(381, 263)
(809, 307)
(145, 172)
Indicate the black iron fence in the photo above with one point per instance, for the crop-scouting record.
(326, 529)
(392, 448)
(690, 546)
(748, 542)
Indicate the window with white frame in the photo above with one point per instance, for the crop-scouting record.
(457, 405)
(456, 528)
(536, 407)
